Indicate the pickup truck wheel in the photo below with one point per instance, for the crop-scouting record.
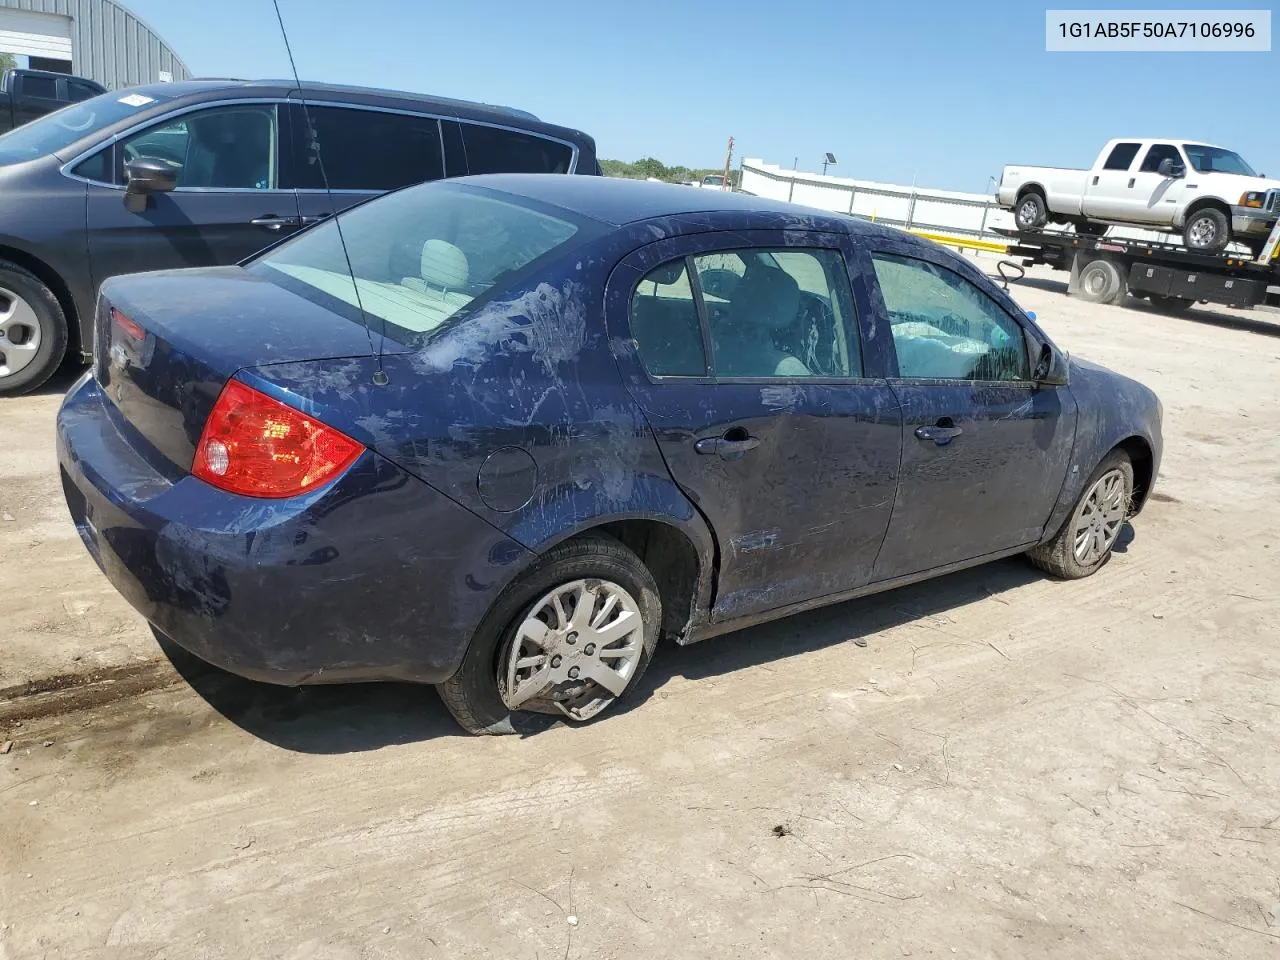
(33, 331)
(1100, 281)
(1207, 229)
(1031, 213)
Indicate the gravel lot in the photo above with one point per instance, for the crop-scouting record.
(1012, 767)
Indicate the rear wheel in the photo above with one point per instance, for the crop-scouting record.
(1089, 534)
(1207, 229)
(1031, 212)
(1100, 281)
(33, 331)
(571, 638)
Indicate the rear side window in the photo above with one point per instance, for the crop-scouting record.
(664, 323)
(365, 149)
(494, 150)
(46, 87)
(1158, 153)
(1121, 157)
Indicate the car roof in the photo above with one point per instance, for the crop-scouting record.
(617, 201)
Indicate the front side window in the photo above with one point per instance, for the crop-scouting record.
(944, 327)
(1121, 156)
(355, 149)
(419, 257)
(228, 148)
(77, 91)
(1216, 160)
(779, 313)
(494, 150)
(1158, 153)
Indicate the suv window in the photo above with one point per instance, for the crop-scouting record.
(1121, 157)
(365, 149)
(664, 323)
(779, 313)
(944, 327)
(494, 150)
(229, 148)
(1157, 153)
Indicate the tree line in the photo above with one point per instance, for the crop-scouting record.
(650, 167)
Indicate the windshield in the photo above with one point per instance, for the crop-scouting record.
(60, 129)
(1216, 160)
(419, 256)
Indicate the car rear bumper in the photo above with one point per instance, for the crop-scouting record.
(376, 576)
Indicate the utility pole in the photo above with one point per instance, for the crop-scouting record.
(728, 160)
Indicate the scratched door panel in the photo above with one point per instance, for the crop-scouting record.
(990, 488)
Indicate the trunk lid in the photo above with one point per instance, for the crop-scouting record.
(184, 333)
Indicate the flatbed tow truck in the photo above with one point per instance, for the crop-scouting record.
(1107, 269)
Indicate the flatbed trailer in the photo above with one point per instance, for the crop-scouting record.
(1108, 269)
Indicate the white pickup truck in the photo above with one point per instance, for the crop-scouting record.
(1206, 193)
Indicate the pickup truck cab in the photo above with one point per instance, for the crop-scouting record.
(27, 94)
(1208, 194)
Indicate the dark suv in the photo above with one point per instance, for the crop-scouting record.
(208, 172)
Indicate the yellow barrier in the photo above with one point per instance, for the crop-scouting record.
(966, 243)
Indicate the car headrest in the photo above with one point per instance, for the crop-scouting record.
(767, 296)
(666, 274)
(443, 265)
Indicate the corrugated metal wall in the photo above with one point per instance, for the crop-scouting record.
(110, 44)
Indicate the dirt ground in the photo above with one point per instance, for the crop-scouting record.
(1012, 767)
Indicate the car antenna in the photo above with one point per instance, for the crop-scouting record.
(380, 377)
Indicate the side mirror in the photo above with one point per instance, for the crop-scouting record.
(1053, 368)
(145, 176)
(1170, 168)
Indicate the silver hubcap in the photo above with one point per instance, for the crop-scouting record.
(1095, 281)
(1101, 516)
(19, 333)
(1202, 232)
(576, 650)
(1027, 213)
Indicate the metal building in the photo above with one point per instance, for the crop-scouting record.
(98, 39)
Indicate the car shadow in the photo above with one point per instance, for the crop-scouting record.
(62, 378)
(357, 717)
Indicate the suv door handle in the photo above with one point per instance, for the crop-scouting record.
(271, 222)
(940, 433)
(732, 445)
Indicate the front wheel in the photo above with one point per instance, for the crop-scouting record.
(571, 638)
(33, 331)
(1208, 230)
(1089, 534)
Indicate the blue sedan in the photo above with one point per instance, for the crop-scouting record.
(542, 422)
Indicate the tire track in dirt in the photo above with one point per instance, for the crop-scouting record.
(72, 692)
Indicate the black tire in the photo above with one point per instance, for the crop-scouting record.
(1207, 229)
(1031, 212)
(1087, 228)
(50, 330)
(1171, 304)
(1100, 281)
(472, 694)
(1056, 556)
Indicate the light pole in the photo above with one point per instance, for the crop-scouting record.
(827, 159)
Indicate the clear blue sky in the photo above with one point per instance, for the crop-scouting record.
(945, 91)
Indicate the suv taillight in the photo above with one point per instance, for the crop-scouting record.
(255, 445)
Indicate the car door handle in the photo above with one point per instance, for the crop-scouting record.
(1131, 180)
(272, 222)
(939, 433)
(727, 447)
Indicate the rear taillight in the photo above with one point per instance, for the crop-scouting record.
(127, 326)
(259, 447)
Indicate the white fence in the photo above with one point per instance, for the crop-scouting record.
(942, 211)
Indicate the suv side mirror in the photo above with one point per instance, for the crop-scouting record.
(1170, 168)
(146, 175)
(1053, 368)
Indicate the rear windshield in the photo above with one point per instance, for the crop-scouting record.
(58, 130)
(419, 257)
